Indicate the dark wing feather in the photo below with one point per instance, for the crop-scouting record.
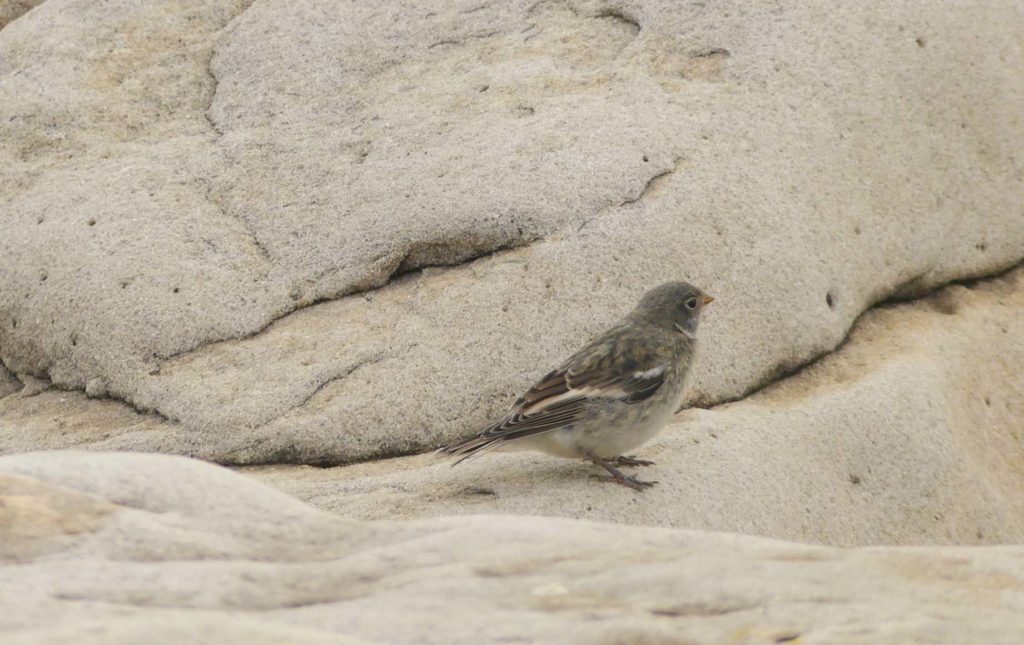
(619, 366)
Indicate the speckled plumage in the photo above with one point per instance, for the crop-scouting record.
(612, 395)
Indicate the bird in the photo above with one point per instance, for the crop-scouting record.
(612, 395)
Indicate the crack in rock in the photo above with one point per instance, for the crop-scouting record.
(446, 253)
(395, 264)
(652, 184)
(616, 14)
(474, 9)
(39, 383)
(897, 295)
(208, 195)
(9, 381)
(462, 41)
(714, 52)
(783, 372)
(215, 82)
(11, 10)
(214, 85)
(649, 188)
(377, 357)
(402, 263)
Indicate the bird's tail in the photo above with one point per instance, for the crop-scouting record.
(469, 447)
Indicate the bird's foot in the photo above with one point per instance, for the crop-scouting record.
(625, 460)
(617, 476)
(626, 480)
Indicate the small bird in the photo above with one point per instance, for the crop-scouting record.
(611, 396)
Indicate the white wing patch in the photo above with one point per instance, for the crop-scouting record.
(621, 389)
(651, 373)
(542, 404)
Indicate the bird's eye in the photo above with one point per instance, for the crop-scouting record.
(691, 303)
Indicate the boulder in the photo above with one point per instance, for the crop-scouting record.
(164, 548)
(320, 233)
(910, 433)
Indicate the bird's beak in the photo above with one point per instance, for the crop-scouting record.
(708, 299)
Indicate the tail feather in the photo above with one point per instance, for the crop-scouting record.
(470, 447)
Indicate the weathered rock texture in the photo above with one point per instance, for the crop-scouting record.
(8, 383)
(11, 9)
(175, 176)
(118, 547)
(911, 433)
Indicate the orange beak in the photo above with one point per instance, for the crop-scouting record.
(708, 299)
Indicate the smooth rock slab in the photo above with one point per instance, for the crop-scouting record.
(171, 542)
(178, 175)
(909, 434)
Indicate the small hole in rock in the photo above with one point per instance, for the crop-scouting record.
(176, 290)
(988, 401)
(830, 301)
(981, 246)
(92, 222)
(484, 88)
(920, 41)
(43, 277)
(40, 220)
(74, 341)
(854, 479)
(478, 490)
(14, 324)
(646, 159)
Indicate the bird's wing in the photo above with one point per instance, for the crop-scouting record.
(592, 375)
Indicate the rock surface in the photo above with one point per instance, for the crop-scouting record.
(909, 434)
(9, 384)
(12, 9)
(265, 233)
(175, 176)
(111, 547)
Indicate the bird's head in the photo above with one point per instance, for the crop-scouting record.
(675, 306)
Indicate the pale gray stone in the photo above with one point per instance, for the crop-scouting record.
(197, 552)
(909, 434)
(179, 175)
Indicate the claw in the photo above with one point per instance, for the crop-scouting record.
(617, 476)
(626, 480)
(626, 460)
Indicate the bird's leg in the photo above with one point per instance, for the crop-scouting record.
(618, 476)
(625, 460)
